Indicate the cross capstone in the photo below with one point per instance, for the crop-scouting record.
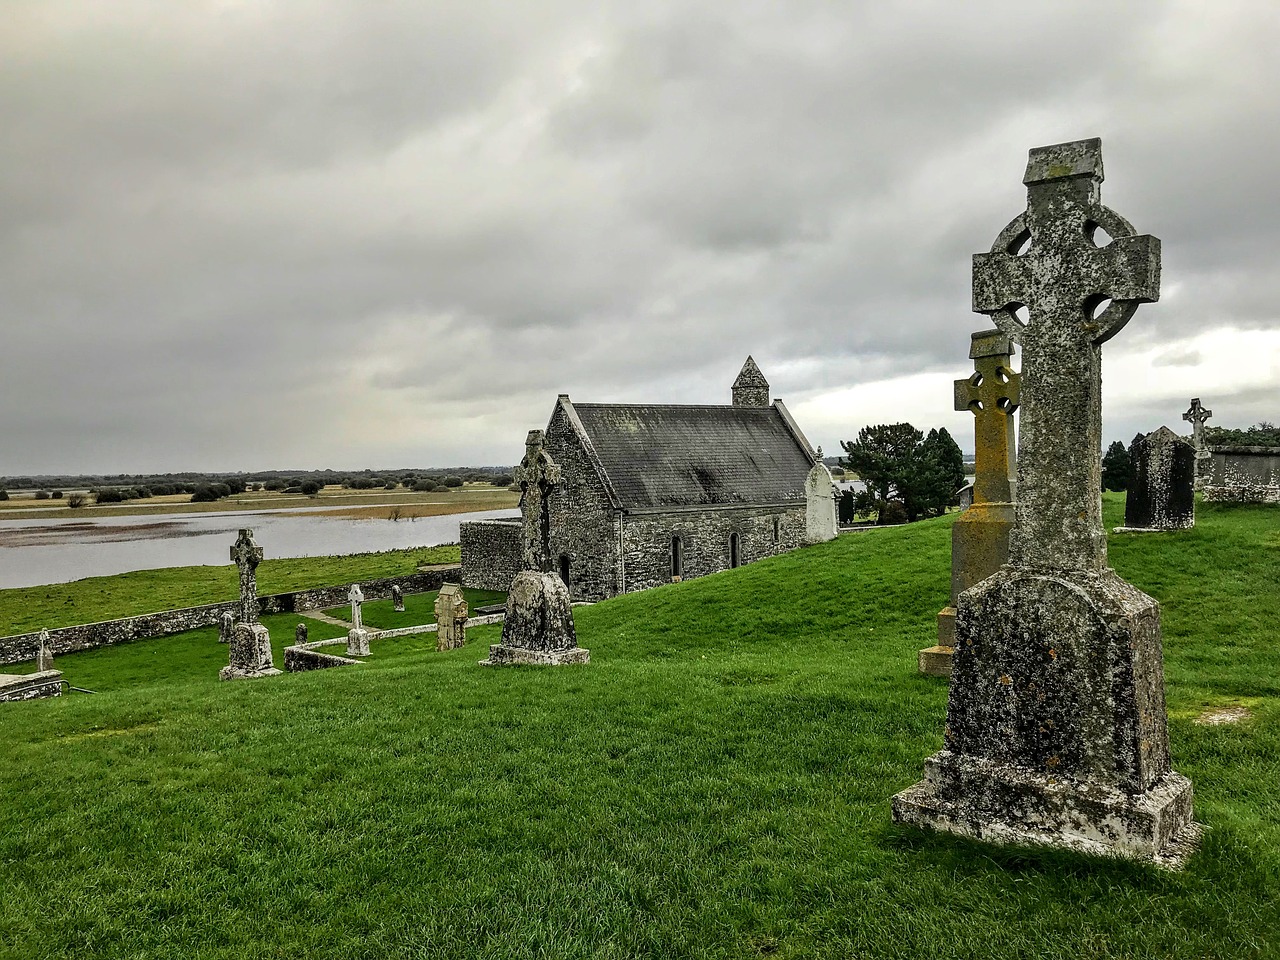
(1196, 415)
(536, 475)
(246, 555)
(1079, 291)
(992, 394)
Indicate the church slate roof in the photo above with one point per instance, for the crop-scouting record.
(666, 455)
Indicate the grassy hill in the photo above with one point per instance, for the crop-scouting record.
(714, 784)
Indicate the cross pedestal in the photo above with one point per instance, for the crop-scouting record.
(538, 626)
(1056, 730)
(980, 535)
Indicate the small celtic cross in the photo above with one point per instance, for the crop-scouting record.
(992, 395)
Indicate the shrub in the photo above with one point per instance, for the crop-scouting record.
(453, 481)
(424, 486)
(893, 512)
(55, 495)
(309, 487)
(42, 494)
(76, 500)
(275, 484)
(205, 493)
(236, 484)
(4, 494)
(503, 480)
(108, 496)
(390, 485)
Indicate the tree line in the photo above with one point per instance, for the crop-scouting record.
(908, 474)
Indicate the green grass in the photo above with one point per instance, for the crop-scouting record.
(419, 608)
(714, 784)
(146, 591)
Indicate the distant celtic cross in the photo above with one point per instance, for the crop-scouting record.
(247, 555)
(1078, 294)
(356, 596)
(992, 395)
(1197, 415)
(536, 475)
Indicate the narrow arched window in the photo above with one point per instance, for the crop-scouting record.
(677, 558)
(735, 551)
(564, 568)
(777, 529)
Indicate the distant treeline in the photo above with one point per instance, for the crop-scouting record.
(278, 479)
(1262, 434)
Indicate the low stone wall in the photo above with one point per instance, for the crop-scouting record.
(31, 686)
(490, 553)
(22, 647)
(303, 657)
(1243, 475)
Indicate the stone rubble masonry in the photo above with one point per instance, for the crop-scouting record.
(30, 686)
(1243, 475)
(538, 627)
(88, 636)
(1056, 729)
(1162, 494)
(490, 553)
(307, 656)
(750, 389)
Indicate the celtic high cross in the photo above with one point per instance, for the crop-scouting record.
(1079, 291)
(1197, 415)
(992, 394)
(247, 555)
(536, 475)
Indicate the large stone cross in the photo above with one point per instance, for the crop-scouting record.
(537, 474)
(1197, 415)
(247, 555)
(1079, 291)
(356, 597)
(992, 394)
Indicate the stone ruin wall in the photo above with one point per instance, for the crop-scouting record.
(584, 523)
(490, 553)
(23, 647)
(704, 538)
(1243, 475)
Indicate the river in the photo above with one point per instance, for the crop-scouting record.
(34, 552)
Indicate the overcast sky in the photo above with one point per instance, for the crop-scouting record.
(246, 235)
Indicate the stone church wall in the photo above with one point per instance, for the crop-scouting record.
(583, 519)
(490, 553)
(704, 539)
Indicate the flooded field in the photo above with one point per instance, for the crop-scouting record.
(34, 552)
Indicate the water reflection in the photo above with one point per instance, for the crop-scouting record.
(34, 552)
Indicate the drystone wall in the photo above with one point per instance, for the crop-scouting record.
(87, 636)
(490, 553)
(705, 540)
(1243, 475)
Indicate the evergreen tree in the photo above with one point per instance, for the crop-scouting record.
(938, 475)
(883, 458)
(1117, 467)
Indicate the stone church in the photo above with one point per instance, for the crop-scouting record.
(653, 493)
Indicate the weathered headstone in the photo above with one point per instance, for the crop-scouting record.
(538, 627)
(300, 634)
(980, 535)
(1196, 415)
(1162, 493)
(964, 496)
(1056, 730)
(820, 521)
(250, 646)
(397, 598)
(1242, 474)
(451, 617)
(44, 657)
(226, 627)
(356, 597)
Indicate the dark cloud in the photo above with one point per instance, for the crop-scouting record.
(238, 235)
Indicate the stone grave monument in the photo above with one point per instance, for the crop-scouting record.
(980, 535)
(250, 652)
(300, 634)
(397, 598)
(820, 520)
(226, 627)
(451, 617)
(1196, 415)
(1162, 494)
(44, 656)
(357, 636)
(538, 627)
(1056, 731)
